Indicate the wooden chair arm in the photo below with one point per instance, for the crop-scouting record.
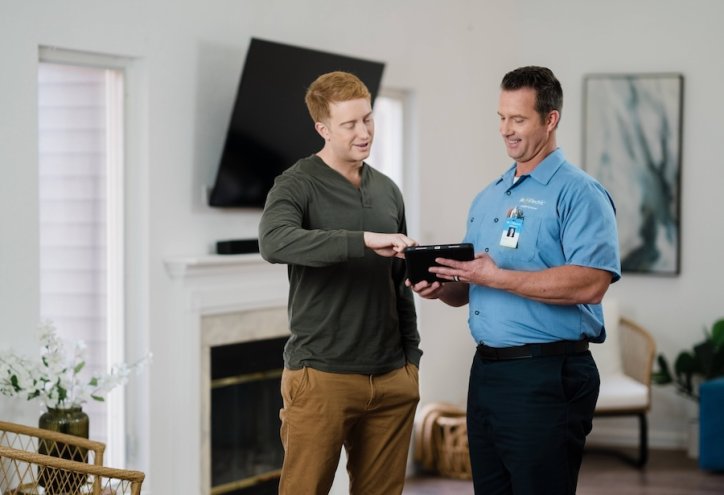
(25, 437)
(21, 472)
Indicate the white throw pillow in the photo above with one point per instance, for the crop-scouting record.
(608, 354)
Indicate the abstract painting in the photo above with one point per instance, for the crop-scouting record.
(632, 126)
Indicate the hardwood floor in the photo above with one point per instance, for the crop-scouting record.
(669, 472)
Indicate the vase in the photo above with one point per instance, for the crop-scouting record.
(71, 421)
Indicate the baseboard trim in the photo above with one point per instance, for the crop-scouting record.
(619, 436)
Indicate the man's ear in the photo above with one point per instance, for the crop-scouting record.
(321, 128)
(552, 120)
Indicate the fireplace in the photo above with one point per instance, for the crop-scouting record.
(246, 453)
(224, 304)
(242, 351)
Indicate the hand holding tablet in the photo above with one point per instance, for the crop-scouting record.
(420, 258)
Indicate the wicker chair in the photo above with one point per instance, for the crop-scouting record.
(74, 465)
(30, 473)
(625, 363)
(31, 439)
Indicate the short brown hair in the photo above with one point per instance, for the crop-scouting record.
(548, 91)
(333, 87)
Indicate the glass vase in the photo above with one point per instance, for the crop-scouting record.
(71, 421)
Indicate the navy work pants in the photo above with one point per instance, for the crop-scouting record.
(527, 422)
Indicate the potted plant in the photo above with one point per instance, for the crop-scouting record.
(59, 380)
(703, 362)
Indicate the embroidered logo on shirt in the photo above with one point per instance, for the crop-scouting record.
(531, 201)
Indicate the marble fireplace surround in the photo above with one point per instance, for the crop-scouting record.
(222, 300)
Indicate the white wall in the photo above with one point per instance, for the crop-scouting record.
(451, 55)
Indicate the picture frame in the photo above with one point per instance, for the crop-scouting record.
(632, 136)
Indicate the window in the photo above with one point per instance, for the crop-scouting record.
(393, 150)
(80, 156)
(387, 150)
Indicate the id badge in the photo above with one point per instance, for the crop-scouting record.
(512, 229)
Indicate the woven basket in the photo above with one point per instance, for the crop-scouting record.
(453, 456)
(441, 441)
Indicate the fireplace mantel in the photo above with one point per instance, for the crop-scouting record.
(217, 298)
(181, 267)
(212, 284)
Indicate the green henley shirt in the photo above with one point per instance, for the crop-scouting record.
(349, 309)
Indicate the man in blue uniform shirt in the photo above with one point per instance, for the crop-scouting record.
(546, 251)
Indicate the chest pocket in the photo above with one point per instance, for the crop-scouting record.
(485, 232)
(528, 246)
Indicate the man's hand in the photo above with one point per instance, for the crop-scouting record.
(564, 285)
(480, 271)
(425, 289)
(451, 293)
(388, 245)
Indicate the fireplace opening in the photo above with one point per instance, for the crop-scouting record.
(246, 452)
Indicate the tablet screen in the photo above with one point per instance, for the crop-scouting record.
(420, 258)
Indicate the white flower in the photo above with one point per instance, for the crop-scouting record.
(56, 378)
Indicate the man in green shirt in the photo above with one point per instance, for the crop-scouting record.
(350, 376)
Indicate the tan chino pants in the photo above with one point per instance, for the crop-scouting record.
(370, 415)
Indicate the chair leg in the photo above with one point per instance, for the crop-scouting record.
(643, 453)
(643, 441)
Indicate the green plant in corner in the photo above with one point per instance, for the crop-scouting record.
(703, 362)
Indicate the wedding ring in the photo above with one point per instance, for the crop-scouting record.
(456, 278)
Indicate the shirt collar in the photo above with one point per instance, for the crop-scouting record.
(543, 172)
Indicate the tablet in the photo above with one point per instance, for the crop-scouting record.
(420, 258)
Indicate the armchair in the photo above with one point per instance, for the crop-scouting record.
(34, 439)
(625, 363)
(23, 473)
(75, 465)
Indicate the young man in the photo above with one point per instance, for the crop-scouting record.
(351, 364)
(534, 300)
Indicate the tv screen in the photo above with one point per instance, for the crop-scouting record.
(270, 128)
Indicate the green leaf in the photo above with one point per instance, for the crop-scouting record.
(663, 375)
(686, 363)
(78, 367)
(717, 333)
(685, 366)
(98, 398)
(704, 355)
(62, 393)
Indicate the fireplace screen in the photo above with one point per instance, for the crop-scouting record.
(246, 452)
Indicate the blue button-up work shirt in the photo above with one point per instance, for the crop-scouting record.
(565, 217)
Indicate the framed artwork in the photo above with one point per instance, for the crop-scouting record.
(632, 126)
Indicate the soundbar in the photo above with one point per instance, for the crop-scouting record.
(237, 246)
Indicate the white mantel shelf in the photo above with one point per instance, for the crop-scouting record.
(210, 284)
(189, 266)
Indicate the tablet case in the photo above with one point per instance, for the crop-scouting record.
(420, 258)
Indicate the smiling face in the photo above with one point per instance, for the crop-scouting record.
(528, 136)
(348, 131)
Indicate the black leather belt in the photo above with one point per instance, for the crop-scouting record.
(532, 350)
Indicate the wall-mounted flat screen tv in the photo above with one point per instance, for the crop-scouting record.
(270, 127)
